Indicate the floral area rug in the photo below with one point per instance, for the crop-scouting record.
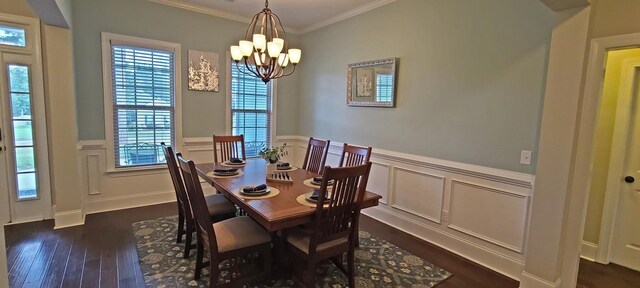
(378, 263)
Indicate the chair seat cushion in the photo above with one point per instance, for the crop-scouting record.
(301, 240)
(217, 204)
(239, 232)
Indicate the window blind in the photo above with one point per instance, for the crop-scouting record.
(143, 104)
(250, 110)
(384, 87)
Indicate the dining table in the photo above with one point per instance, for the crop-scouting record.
(275, 213)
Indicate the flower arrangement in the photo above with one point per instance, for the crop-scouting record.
(273, 153)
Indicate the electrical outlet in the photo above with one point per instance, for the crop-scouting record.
(525, 157)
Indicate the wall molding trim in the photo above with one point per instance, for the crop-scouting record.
(346, 15)
(528, 280)
(70, 218)
(504, 264)
(493, 174)
(107, 204)
(589, 251)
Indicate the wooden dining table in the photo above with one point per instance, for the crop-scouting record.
(276, 213)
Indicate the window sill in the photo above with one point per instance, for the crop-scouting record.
(137, 171)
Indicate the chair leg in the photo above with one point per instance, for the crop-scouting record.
(213, 274)
(180, 225)
(199, 258)
(308, 275)
(189, 239)
(351, 267)
(267, 261)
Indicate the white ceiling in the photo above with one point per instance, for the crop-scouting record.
(298, 16)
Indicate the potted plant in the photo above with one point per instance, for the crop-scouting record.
(272, 155)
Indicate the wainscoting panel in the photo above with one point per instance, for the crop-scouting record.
(496, 216)
(93, 169)
(418, 193)
(379, 181)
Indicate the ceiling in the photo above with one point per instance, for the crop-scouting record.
(298, 16)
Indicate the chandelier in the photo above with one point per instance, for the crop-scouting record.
(264, 48)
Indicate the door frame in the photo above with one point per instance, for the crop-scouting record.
(33, 50)
(621, 126)
(580, 179)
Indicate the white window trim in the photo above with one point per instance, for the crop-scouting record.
(108, 95)
(31, 28)
(274, 103)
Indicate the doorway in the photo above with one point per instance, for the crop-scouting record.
(24, 169)
(611, 239)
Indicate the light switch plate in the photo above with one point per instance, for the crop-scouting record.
(525, 157)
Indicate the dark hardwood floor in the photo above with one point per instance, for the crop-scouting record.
(102, 253)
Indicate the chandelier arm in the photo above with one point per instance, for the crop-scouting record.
(255, 73)
(240, 70)
(284, 75)
(252, 26)
(274, 27)
(284, 33)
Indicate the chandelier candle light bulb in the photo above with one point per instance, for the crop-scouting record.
(265, 35)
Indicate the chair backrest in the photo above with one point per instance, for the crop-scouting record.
(316, 155)
(354, 155)
(228, 147)
(339, 218)
(198, 204)
(178, 185)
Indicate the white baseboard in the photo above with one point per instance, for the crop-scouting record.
(68, 219)
(130, 201)
(589, 251)
(528, 280)
(495, 261)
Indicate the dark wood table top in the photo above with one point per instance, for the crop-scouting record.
(275, 213)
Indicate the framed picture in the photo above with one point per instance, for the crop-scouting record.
(372, 83)
(203, 71)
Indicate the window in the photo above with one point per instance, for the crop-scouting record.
(384, 87)
(251, 102)
(143, 100)
(12, 36)
(23, 131)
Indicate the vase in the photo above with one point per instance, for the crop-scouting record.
(271, 167)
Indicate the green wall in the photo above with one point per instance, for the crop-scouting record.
(203, 112)
(470, 82)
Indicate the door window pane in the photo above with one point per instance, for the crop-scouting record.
(23, 133)
(19, 78)
(27, 186)
(20, 106)
(12, 36)
(25, 160)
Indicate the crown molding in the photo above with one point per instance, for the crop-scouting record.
(235, 17)
(347, 15)
(213, 12)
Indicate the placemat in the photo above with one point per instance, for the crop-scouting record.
(308, 183)
(211, 174)
(302, 199)
(274, 192)
(233, 165)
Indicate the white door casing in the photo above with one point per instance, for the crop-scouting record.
(29, 57)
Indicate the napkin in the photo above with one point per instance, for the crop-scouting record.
(236, 160)
(254, 189)
(283, 165)
(225, 170)
(317, 179)
(316, 194)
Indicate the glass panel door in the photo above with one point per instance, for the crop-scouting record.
(22, 124)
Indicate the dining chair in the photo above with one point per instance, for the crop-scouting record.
(354, 155)
(228, 147)
(224, 240)
(219, 208)
(333, 231)
(316, 155)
